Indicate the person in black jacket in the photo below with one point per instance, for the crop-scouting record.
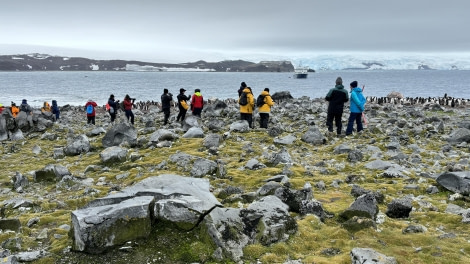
(166, 104)
(336, 97)
(113, 107)
(182, 105)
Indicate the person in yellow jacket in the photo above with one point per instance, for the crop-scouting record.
(265, 108)
(46, 107)
(246, 110)
(14, 109)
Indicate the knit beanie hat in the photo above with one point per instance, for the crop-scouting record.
(339, 81)
(266, 89)
(354, 84)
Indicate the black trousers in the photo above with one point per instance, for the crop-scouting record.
(130, 115)
(166, 112)
(247, 117)
(91, 119)
(181, 114)
(329, 122)
(263, 121)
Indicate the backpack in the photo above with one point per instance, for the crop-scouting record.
(243, 99)
(184, 104)
(89, 109)
(260, 100)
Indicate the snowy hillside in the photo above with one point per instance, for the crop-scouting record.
(386, 62)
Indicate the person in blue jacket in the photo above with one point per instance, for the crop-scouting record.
(55, 110)
(356, 107)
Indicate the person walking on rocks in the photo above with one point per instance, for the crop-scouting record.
(55, 110)
(167, 98)
(247, 104)
(128, 104)
(357, 102)
(113, 107)
(182, 105)
(90, 111)
(264, 107)
(197, 103)
(336, 97)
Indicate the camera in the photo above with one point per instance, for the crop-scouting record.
(133, 99)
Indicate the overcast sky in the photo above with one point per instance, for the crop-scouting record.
(213, 30)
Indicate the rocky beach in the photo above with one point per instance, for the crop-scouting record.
(212, 190)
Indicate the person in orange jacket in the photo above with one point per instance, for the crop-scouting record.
(14, 109)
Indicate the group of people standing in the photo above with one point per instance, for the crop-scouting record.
(25, 107)
(336, 97)
(264, 102)
(112, 106)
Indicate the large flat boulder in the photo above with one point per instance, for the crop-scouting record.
(127, 215)
(457, 182)
(97, 229)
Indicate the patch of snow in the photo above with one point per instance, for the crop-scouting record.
(94, 67)
(386, 61)
(134, 67)
(17, 58)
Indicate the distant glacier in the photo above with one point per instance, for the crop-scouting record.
(386, 61)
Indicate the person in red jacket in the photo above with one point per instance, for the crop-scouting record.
(90, 111)
(128, 103)
(197, 103)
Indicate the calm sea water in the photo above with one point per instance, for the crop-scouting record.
(77, 87)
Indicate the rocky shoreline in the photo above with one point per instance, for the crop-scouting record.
(292, 193)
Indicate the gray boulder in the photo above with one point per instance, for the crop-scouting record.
(458, 136)
(378, 165)
(281, 96)
(118, 134)
(399, 208)
(120, 217)
(212, 141)
(24, 121)
(287, 140)
(369, 256)
(364, 206)
(20, 181)
(271, 218)
(162, 135)
(240, 126)
(215, 124)
(282, 157)
(3, 129)
(343, 148)
(77, 146)
(51, 173)
(113, 154)
(194, 132)
(202, 167)
(254, 164)
(457, 182)
(16, 135)
(96, 132)
(96, 229)
(191, 121)
(313, 136)
(265, 221)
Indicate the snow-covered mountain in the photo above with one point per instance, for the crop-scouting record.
(385, 61)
